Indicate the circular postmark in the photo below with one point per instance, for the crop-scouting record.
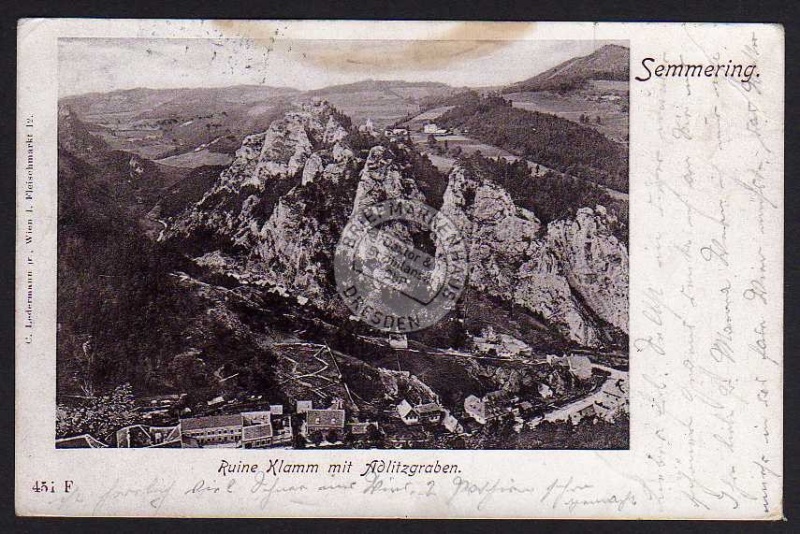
(400, 265)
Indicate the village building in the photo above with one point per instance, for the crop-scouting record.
(491, 406)
(367, 127)
(257, 436)
(428, 413)
(135, 436)
(398, 341)
(324, 420)
(452, 424)
(216, 401)
(433, 128)
(407, 437)
(163, 435)
(218, 431)
(407, 413)
(259, 417)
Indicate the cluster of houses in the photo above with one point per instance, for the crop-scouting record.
(331, 419)
(478, 411)
(604, 404)
(399, 134)
(408, 425)
(247, 430)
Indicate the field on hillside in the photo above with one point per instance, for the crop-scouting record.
(611, 108)
(196, 158)
(381, 108)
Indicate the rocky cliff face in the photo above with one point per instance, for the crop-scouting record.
(594, 262)
(280, 207)
(266, 167)
(570, 273)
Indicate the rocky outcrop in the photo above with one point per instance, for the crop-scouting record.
(567, 273)
(594, 261)
(383, 179)
(290, 191)
(266, 167)
(295, 246)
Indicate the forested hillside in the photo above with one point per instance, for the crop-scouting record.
(554, 142)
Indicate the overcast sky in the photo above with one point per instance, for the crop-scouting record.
(100, 65)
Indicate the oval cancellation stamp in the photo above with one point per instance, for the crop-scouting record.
(400, 265)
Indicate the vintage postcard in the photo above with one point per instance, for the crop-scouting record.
(399, 269)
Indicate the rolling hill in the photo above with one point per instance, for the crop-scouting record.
(383, 101)
(610, 62)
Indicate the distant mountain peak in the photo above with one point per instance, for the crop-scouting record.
(609, 62)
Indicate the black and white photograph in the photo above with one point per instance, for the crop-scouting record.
(317, 244)
(399, 269)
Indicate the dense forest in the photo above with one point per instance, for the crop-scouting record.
(554, 142)
(550, 196)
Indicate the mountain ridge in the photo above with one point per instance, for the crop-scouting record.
(610, 62)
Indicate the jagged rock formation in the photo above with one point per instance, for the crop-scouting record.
(566, 273)
(266, 167)
(595, 262)
(280, 207)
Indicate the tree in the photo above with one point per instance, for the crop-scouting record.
(98, 416)
(188, 370)
(374, 435)
(432, 140)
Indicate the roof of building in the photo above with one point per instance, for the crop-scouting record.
(490, 406)
(257, 432)
(428, 408)
(450, 422)
(84, 441)
(331, 418)
(304, 405)
(211, 421)
(471, 399)
(404, 408)
(276, 409)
